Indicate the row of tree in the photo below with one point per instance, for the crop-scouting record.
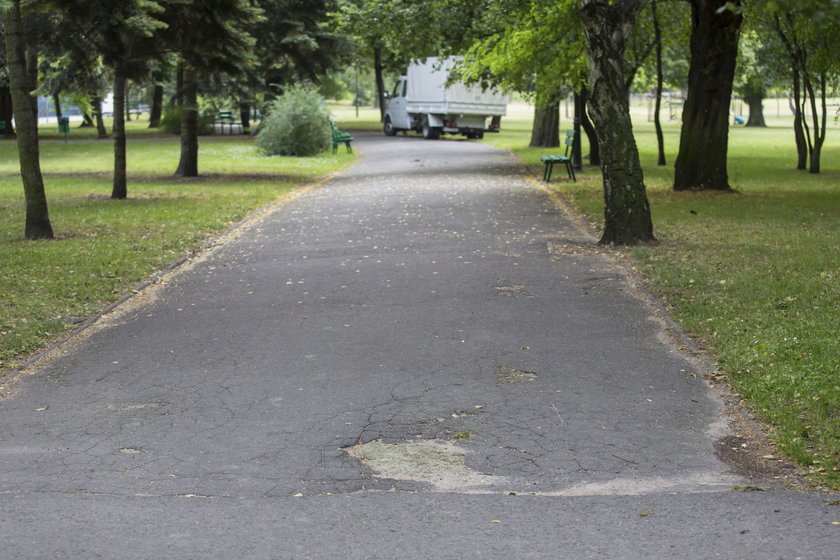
(84, 49)
(544, 48)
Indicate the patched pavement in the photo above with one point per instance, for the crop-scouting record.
(423, 357)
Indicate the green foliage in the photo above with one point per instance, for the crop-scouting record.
(538, 48)
(294, 125)
(171, 121)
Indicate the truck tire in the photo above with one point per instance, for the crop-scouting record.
(430, 132)
(388, 127)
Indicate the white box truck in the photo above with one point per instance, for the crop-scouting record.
(422, 101)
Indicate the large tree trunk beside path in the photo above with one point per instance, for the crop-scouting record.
(188, 164)
(546, 130)
(607, 24)
(701, 161)
(120, 189)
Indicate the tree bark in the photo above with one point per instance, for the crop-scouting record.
(546, 130)
(819, 122)
(756, 105)
(97, 115)
(657, 123)
(38, 224)
(6, 112)
(57, 103)
(245, 117)
(701, 161)
(120, 189)
(796, 59)
(188, 164)
(127, 105)
(156, 110)
(380, 82)
(589, 128)
(607, 24)
(798, 129)
(87, 121)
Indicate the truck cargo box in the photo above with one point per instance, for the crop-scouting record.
(427, 92)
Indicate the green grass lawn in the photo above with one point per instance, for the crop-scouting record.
(103, 247)
(753, 276)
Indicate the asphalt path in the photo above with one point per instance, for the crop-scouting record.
(422, 357)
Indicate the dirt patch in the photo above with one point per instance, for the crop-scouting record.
(513, 291)
(511, 376)
(438, 463)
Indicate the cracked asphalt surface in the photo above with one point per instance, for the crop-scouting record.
(430, 290)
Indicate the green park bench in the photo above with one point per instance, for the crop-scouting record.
(565, 159)
(226, 121)
(340, 137)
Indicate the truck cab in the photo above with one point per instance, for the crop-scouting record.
(396, 114)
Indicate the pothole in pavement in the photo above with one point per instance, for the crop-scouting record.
(513, 291)
(506, 375)
(438, 463)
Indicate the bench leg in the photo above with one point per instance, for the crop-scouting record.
(571, 169)
(349, 149)
(549, 167)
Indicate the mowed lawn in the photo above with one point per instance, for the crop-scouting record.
(752, 275)
(104, 247)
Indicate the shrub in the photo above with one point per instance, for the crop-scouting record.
(294, 125)
(171, 122)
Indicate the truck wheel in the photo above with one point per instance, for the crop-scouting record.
(389, 127)
(431, 132)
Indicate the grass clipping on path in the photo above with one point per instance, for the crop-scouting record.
(752, 275)
(104, 247)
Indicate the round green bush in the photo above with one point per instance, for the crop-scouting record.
(294, 125)
(171, 122)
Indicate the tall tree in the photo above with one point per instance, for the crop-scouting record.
(607, 24)
(701, 161)
(809, 32)
(657, 34)
(38, 224)
(209, 36)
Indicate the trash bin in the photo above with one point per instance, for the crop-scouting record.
(64, 125)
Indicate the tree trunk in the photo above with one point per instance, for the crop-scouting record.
(657, 123)
(120, 189)
(701, 162)
(31, 58)
(819, 122)
(577, 156)
(589, 128)
(756, 105)
(38, 224)
(546, 130)
(97, 115)
(57, 103)
(607, 24)
(797, 60)
(156, 111)
(188, 165)
(6, 112)
(126, 103)
(245, 117)
(87, 121)
(380, 83)
(798, 129)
